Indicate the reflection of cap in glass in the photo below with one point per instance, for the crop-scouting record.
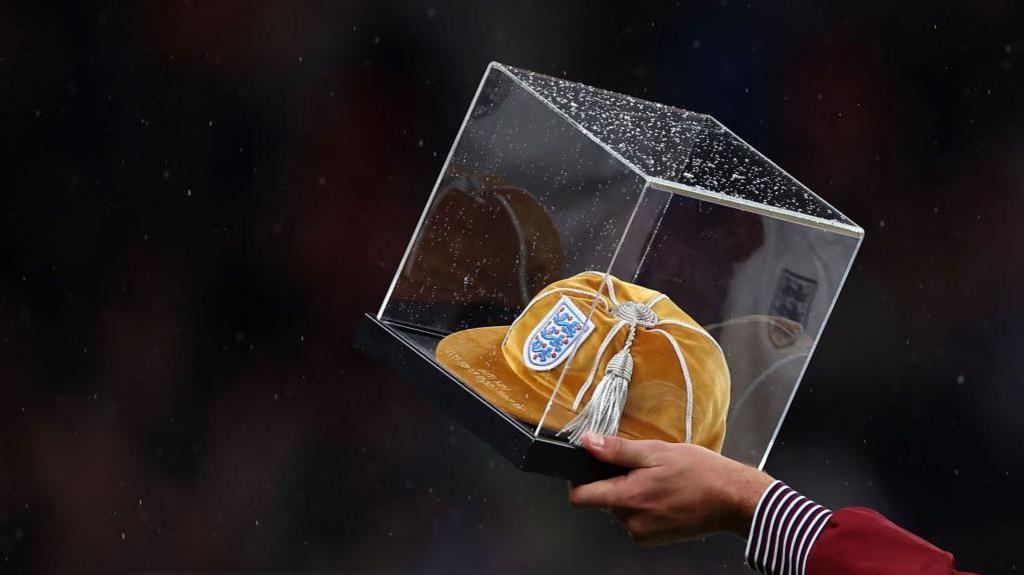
(499, 228)
(638, 366)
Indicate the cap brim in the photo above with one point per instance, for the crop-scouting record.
(475, 357)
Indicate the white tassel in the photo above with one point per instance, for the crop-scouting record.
(604, 410)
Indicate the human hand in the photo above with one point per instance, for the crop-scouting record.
(673, 491)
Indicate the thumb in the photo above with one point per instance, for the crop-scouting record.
(624, 452)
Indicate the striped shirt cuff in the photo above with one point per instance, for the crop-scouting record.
(785, 526)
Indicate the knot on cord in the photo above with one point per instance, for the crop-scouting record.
(636, 313)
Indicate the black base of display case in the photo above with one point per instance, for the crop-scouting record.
(393, 346)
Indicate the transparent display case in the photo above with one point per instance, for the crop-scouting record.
(549, 180)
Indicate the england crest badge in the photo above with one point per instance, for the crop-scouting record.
(556, 335)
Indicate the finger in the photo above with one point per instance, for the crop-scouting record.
(606, 493)
(631, 453)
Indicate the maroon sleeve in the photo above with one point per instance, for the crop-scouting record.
(859, 541)
(792, 535)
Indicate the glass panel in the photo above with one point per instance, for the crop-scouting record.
(653, 137)
(678, 145)
(524, 200)
(763, 287)
(723, 163)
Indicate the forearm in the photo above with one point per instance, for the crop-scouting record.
(792, 535)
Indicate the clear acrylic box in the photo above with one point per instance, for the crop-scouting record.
(549, 178)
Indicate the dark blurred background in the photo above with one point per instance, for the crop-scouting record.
(198, 200)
